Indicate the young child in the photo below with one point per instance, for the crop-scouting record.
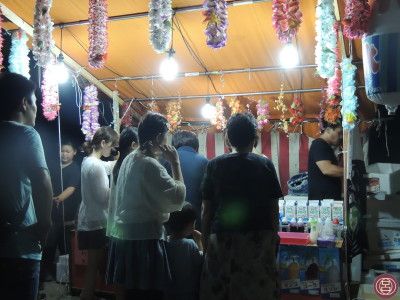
(184, 254)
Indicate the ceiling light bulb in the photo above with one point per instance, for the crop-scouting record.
(208, 111)
(289, 56)
(59, 70)
(169, 68)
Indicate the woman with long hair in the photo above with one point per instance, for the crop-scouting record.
(145, 196)
(92, 217)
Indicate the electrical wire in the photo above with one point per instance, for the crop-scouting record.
(192, 52)
(109, 69)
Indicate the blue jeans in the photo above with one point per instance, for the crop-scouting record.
(19, 278)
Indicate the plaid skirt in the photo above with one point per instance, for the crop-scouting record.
(139, 264)
(240, 266)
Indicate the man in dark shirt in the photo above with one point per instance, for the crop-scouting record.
(324, 175)
(193, 166)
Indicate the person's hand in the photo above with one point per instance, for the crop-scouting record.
(196, 236)
(170, 154)
(58, 200)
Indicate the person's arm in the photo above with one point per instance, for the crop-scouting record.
(197, 239)
(329, 169)
(64, 195)
(171, 155)
(97, 183)
(42, 193)
(207, 214)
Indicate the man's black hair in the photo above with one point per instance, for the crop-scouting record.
(185, 138)
(326, 125)
(242, 129)
(13, 89)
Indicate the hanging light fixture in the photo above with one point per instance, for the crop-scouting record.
(60, 71)
(208, 110)
(169, 67)
(289, 57)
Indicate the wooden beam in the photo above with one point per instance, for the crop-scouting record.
(67, 59)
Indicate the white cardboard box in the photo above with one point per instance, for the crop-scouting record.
(383, 235)
(386, 175)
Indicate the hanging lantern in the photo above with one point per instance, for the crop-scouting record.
(380, 55)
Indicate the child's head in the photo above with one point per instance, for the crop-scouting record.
(68, 151)
(183, 222)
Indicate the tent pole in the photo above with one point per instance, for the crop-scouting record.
(145, 14)
(230, 95)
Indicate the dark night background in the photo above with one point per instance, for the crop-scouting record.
(69, 114)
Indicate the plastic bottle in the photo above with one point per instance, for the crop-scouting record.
(285, 224)
(293, 225)
(314, 231)
(320, 226)
(300, 225)
(336, 226)
(328, 228)
(280, 222)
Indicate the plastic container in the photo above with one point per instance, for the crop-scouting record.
(285, 225)
(300, 225)
(314, 232)
(294, 238)
(293, 225)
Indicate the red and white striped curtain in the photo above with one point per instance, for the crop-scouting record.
(288, 152)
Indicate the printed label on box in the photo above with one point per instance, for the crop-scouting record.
(302, 210)
(331, 287)
(290, 209)
(290, 284)
(309, 284)
(313, 212)
(325, 212)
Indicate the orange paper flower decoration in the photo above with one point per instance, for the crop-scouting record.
(174, 115)
(219, 120)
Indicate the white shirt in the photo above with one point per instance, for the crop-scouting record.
(145, 195)
(95, 188)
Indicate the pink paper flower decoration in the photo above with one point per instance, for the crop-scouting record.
(98, 41)
(286, 18)
(356, 19)
(42, 29)
(49, 87)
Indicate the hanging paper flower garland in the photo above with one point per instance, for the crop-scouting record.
(18, 59)
(90, 114)
(50, 102)
(296, 111)
(286, 18)
(356, 19)
(281, 106)
(42, 30)
(160, 14)
(325, 57)
(332, 113)
(153, 106)
(1, 40)
(174, 114)
(98, 41)
(217, 17)
(219, 120)
(349, 102)
(236, 106)
(262, 113)
(126, 114)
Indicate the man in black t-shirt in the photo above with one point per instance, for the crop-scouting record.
(324, 175)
